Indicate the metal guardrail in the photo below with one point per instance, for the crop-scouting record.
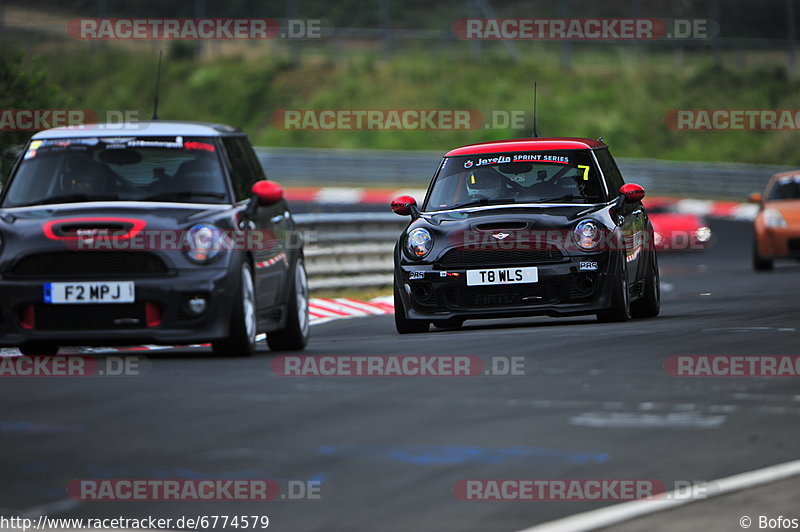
(349, 250)
(399, 168)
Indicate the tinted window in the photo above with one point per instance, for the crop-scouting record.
(244, 165)
(118, 169)
(612, 174)
(565, 176)
(785, 188)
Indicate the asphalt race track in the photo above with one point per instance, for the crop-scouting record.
(595, 402)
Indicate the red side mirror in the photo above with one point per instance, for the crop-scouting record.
(632, 192)
(267, 192)
(404, 205)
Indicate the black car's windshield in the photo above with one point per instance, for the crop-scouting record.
(567, 176)
(785, 188)
(118, 169)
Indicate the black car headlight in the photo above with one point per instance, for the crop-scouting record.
(204, 243)
(419, 243)
(587, 234)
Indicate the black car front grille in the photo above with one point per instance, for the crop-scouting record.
(89, 317)
(499, 257)
(504, 296)
(88, 263)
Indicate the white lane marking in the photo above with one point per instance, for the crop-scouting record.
(618, 513)
(750, 329)
(635, 420)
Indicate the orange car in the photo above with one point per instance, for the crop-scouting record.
(777, 226)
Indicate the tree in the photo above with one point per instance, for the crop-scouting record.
(23, 85)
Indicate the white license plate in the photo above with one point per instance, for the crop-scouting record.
(502, 276)
(90, 292)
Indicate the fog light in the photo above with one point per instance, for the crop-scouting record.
(197, 305)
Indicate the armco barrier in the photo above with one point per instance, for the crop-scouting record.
(349, 250)
(399, 168)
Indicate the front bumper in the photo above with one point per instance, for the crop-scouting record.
(778, 243)
(159, 315)
(562, 290)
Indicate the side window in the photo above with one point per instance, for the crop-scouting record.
(244, 174)
(252, 160)
(610, 171)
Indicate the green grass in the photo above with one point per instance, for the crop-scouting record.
(607, 93)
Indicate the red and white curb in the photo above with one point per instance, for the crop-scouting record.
(324, 310)
(320, 310)
(380, 196)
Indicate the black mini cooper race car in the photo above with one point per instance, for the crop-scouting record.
(155, 232)
(542, 226)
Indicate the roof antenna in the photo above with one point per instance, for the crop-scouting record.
(535, 132)
(158, 86)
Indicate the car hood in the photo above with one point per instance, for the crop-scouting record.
(545, 215)
(789, 209)
(159, 215)
(54, 228)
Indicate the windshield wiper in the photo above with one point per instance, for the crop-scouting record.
(72, 198)
(183, 194)
(482, 202)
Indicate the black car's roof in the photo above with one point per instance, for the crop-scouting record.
(155, 128)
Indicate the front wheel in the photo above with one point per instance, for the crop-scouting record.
(403, 324)
(649, 306)
(620, 309)
(294, 336)
(241, 340)
(760, 264)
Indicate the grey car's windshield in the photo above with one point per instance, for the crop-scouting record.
(568, 176)
(118, 169)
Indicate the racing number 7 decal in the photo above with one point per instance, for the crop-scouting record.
(585, 168)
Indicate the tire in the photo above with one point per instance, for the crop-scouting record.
(620, 309)
(403, 324)
(47, 349)
(451, 323)
(294, 336)
(760, 264)
(649, 306)
(241, 340)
